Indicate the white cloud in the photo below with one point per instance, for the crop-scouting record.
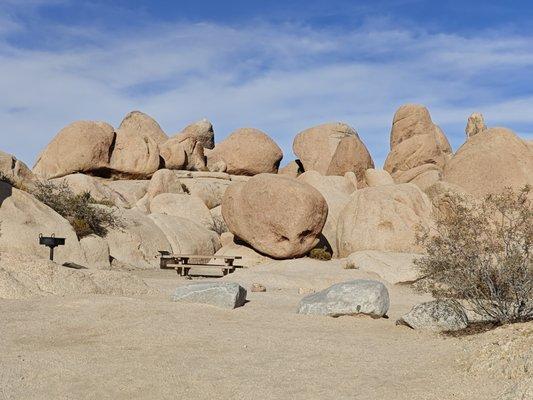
(278, 78)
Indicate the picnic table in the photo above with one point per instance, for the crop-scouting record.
(183, 263)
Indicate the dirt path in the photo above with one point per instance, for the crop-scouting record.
(101, 347)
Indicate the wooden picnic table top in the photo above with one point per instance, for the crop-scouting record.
(199, 257)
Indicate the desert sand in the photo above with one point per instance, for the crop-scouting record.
(112, 347)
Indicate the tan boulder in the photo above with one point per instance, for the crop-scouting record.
(163, 181)
(202, 132)
(186, 236)
(210, 190)
(129, 190)
(332, 149)
(137, 243)
(83, 146)
(378, 177)
(390, 266)
(490, 161)
(278, 216)
(96, 251)
(416, 144)
(184, 206)
(81, 183)
(173, 152)
(16, 172)
(136, 152)
(336, 190)
(247, 151)
(383, 218)
(23, 218)
(292, 169)
(144, 126)
(475, 124)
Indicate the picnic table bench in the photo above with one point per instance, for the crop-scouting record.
(182, 262)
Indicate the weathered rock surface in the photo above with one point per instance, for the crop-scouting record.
(336, 190)
(221, 294)
(129, 190)
(184, 206)
(23, 276)
(378, 177)
(475, 124)
(23, 218)
(232, 247)
(332, 149)
(138, 242)
(359, 296)
(202, 132)
(173, 153)
(16, 172)
(143, 125)
(383, 218)
(278, 216)
(416, 144)
(81, 183)
(435, 316)
(186, 236)
(292, 169)
(163, 181)
(96, 251)
(247, 151)
(490, 161)
(83, 146)
(391, 266)
(210, 190)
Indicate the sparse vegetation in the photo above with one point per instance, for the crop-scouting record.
(219, 225)
(86, 215)
(479, 255)
(320, 253)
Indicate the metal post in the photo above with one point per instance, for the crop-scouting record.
(51, 253)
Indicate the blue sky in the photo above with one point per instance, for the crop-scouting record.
(280, 66)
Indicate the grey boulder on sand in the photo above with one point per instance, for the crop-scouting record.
(360, 296)
(221, 294)
(435, 316)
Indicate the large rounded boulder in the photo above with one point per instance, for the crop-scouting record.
(332, 149)
(383, 218)
(83, 146)
(246, 151)
(136, 151)
(278, 216)
(418, 146)
(490, 161)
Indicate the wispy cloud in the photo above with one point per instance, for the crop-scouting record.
(280, 78)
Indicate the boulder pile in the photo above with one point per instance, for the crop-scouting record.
(182, 193)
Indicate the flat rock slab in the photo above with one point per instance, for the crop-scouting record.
(360, 296)
(435, 316)
(221, 294)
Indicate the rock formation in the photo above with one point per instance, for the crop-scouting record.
(276, 215)
(490, 161)
(419, 148)
(383, 218)
(332, 149)
(83, 146)
(246, 151)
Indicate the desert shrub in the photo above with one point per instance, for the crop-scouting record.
(320, 253)
(479, 255)
(86, 215)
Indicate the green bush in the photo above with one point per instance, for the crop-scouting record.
(86, 215)
(320, 253)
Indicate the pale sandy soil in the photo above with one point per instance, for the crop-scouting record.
(103, 347)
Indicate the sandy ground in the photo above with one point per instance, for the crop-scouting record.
(103, 347)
